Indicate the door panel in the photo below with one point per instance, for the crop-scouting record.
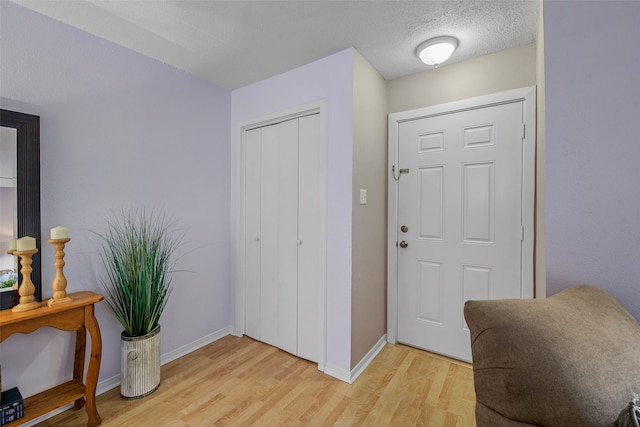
(270, 237)
(287, 229)
(478, 207)
(429, 291)
(431, 202)
(252, 190)
(310, 239)
(461, 201)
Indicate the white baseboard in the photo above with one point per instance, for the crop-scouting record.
(113, 382)
(351, 376)
(107, 384)
(337, 372)
(188, 348)
(368, 358)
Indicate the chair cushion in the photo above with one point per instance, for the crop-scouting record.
(572, 359)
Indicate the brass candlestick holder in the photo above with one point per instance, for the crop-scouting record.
(26, 289)
(59, 283)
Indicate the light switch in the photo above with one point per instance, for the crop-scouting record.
(363, 197)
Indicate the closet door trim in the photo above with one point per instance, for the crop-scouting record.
(320, 108)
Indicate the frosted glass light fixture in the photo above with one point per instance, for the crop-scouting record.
(437, 50)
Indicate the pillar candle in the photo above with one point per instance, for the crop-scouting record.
(59, 233)
(12, 244)
(26, 243)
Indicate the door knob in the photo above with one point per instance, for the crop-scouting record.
(403, 244)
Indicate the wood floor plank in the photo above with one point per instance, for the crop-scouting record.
(242, 382)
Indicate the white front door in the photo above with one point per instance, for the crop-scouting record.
(459, 218)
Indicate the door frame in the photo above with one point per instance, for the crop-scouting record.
(320, 108)
(528, 96)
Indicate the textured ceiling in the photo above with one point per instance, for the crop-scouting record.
(235, 43)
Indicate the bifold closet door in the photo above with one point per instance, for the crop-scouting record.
(279, 235)
(252, 210)
(310, 216)
(282, 214)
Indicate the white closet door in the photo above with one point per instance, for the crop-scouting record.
(283, 239)
(270, 238)
(288, 234)
(253, 160)
(309, 219)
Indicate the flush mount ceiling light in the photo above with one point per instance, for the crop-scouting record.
(437, 50)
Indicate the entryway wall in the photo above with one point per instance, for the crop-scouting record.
(368, 283)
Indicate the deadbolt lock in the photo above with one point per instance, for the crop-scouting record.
(404, 228)
(403, 244)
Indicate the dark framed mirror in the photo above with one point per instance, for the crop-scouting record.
(27, 191)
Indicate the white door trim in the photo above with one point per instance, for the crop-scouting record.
(319, 107)
(528, 96)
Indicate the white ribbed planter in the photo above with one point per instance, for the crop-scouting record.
(140, 364)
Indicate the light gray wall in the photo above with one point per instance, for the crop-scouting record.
(592, 63)
(117, 130)
(369, 272)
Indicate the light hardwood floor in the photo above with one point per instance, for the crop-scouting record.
(241, 382)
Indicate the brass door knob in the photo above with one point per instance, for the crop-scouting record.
(403, 244)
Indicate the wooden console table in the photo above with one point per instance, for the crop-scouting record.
(77, 315)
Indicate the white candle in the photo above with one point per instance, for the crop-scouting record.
(12, 244)
(59, 233)
(26, 243)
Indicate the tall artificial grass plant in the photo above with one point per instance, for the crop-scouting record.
(137, 250)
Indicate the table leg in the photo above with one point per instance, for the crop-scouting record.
(94, 365)
(78, 363)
